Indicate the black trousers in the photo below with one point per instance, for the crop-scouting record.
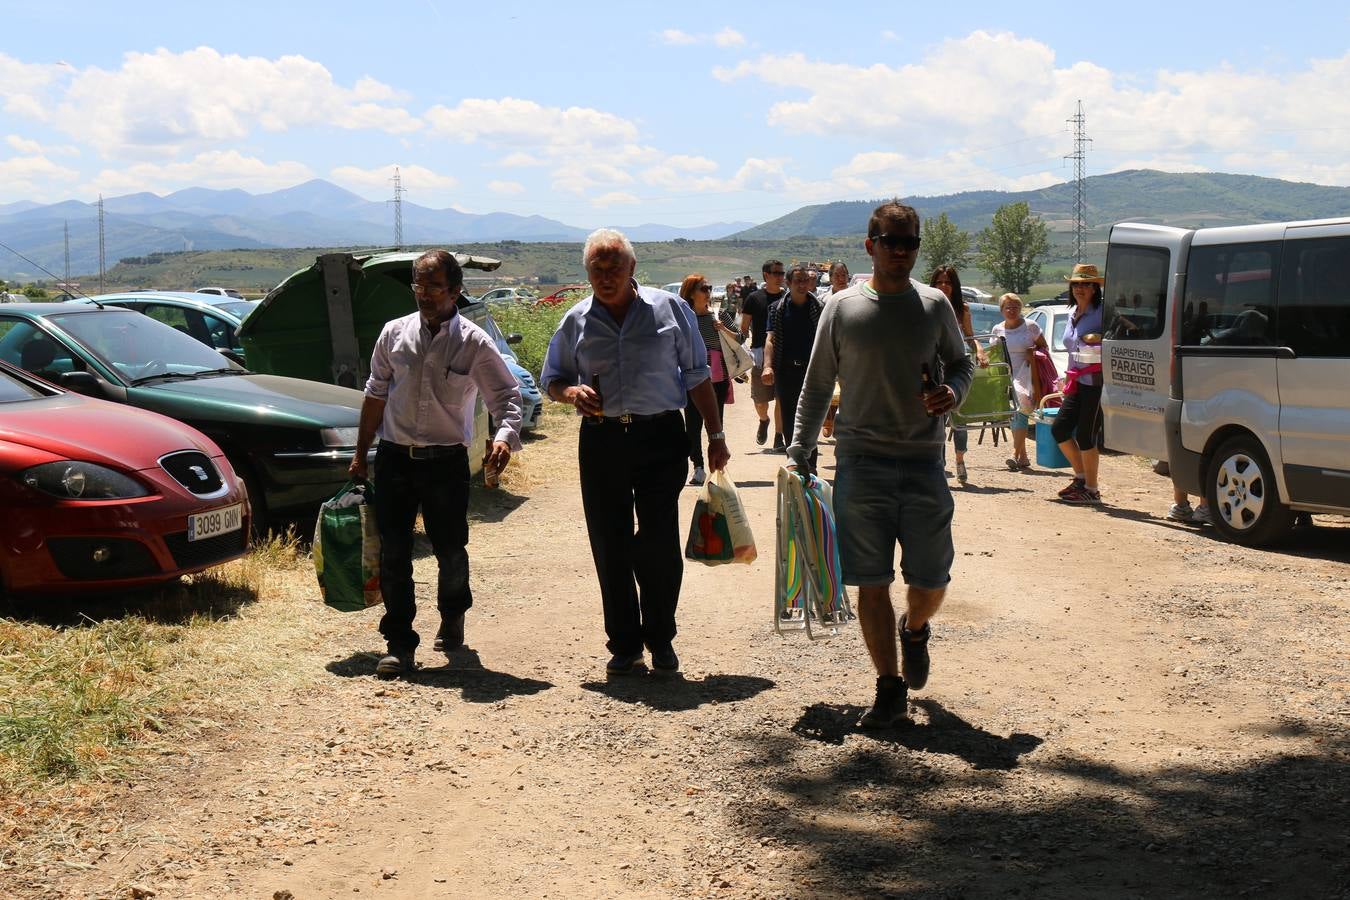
(626, 470)
(1080, 418)
(788, 380)
(693, 421)
(440, 488)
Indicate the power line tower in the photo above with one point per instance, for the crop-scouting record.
(398, 210)
(101, 257)
(1079, 155)
(65, 230)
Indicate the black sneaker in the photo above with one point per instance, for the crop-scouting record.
(665, 661)
(914, 654)
(450, 636)
(626, 664)
(779, 445)
(392, 665)
(890, 707)
(762, 432)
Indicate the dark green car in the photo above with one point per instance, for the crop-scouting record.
(291, 440)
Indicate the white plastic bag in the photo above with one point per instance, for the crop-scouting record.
(720, 530)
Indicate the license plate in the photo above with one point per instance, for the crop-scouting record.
(217, 521)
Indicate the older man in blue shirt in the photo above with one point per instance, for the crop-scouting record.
(629, 358)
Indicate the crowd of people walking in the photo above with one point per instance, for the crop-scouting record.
(880, 364)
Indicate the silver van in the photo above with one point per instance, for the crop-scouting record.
(1226, 352)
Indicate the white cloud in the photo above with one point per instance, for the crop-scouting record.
(164, 104)
(419, 181)
(25, 87)
(727, 37)
(506, 187)
(677, 38)
(1015, 99)
(34, 178)
(520, 160)
(23, 145)
(511, 122)
(215, 169)
(615, 198)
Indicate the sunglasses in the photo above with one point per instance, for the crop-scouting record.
(704, 287)
(779, 272)
(893, 242)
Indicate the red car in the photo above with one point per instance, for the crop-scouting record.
(565, 294)
(99, 496)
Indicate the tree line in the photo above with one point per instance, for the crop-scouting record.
(1012, 249)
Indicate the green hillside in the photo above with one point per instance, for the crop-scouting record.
(1187, 199)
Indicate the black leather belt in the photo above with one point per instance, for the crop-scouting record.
(431, 451)
(628, 418)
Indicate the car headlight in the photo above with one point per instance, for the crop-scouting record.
(72, 480)
(338, 437)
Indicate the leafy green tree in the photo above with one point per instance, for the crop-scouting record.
(33, 292)
(1013, 247)
(944, 244)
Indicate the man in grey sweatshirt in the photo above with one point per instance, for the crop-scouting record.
(900, 358)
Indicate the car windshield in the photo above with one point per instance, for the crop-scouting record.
(983, 317)
(138, 347)
(239, 308)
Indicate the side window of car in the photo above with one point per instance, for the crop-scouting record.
(1136, 292)
(221, 333)
(1230, 295)
(28, 347)
(169, 315)
(1314, 315)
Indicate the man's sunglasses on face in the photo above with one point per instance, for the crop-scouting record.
(893, 242)
(777, 273)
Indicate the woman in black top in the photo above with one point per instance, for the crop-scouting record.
(697, 292)
(948, 281)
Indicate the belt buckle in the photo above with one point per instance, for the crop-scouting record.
(412, 452)
(626, 419)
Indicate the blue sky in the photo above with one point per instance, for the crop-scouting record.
(680, 113)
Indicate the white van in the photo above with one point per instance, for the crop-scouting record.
(1226, 352)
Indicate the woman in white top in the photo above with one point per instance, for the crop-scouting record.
(1023, 338)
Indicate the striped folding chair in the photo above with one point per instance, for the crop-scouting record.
(809, 590)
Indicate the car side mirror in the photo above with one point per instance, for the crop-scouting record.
(81, 383)
(514, 337)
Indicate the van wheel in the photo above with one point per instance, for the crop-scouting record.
(1244, 503)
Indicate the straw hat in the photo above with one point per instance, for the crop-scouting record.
(1085, 272)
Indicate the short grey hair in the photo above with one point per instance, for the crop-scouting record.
(606, 238)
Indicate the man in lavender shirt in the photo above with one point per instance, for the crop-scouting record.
(425, 376)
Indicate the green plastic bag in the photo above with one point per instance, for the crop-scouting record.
(347, 549)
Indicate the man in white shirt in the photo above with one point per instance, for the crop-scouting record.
(425, 376)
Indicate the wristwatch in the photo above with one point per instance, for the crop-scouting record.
(717, 436)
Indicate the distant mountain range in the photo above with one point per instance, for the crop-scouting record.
(1192, 199)
(320, 214)
(314, 214)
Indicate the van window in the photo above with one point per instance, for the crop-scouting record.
(1136, 292)
(1230, 295)
(1315, 297)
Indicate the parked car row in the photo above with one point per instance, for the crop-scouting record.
(144, 435)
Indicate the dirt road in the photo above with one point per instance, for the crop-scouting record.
(1119, 707)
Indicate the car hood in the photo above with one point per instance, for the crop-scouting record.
(274, 398)
(69, 426)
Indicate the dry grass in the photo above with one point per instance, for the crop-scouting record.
(86, 701)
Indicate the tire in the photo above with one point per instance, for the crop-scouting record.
(1244, 502)
(256, 502)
